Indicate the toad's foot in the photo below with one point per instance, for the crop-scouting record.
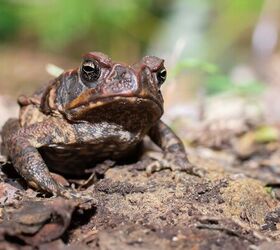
(174, 164)
(83, 198)
(58, 189)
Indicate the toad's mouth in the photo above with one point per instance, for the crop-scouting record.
(112, 105)
(99, 101)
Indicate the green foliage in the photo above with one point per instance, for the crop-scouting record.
(59, 23)
(218, 83)
(269, 190)
(232, 20)
(194, 63)
(125, 25)
(8, 21)
(266, 134)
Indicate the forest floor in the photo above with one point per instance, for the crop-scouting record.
(234, 205)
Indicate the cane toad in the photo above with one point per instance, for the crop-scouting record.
(100, 110)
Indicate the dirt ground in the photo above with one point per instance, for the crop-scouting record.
(234, 205)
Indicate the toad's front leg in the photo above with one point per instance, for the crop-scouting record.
(21, 146)
(174, 154)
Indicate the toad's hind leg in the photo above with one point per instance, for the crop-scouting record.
(20, 144)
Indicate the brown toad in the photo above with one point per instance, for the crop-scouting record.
(101, 110)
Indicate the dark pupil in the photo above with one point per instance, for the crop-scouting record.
(161, 76)
(90, 71)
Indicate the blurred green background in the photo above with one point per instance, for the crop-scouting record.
(211, 47)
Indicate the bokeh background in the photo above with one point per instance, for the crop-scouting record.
(222, 56)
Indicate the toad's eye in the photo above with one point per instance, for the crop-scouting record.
(90, 71)
(161, 76)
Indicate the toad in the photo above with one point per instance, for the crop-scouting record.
(100, 110)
